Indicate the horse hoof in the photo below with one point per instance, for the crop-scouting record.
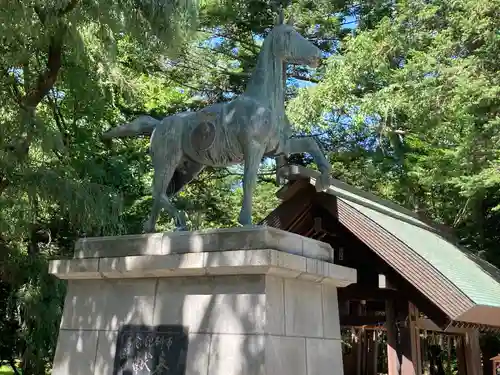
(148, 228)
(182, 228)
(322, 182)
(251, 226)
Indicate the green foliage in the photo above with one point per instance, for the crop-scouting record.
(407, 105)
(68, 71)
(412, 107)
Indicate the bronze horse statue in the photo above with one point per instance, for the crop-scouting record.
(249, 127)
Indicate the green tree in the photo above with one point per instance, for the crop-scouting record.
(407, 105)
(69, 70)
(411, 105)
(60, 71)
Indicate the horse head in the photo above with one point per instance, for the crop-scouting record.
(292, 47)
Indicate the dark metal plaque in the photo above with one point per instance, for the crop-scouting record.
(145, 350)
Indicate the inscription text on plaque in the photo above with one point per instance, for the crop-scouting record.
(146, 350)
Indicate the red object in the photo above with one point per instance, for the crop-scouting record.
(496, 364)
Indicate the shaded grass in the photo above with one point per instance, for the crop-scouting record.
(6, 370)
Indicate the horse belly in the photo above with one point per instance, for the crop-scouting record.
(218, 158)
(217, 136)
(220, 149)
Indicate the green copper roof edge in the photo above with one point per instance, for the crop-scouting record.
(425, 261)
(473, 292)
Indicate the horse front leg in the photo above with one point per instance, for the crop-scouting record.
(253, 156)
(310, 145)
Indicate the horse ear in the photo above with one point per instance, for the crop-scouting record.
(290, 20)
(281, 18)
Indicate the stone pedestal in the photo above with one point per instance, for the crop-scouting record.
(250, 301)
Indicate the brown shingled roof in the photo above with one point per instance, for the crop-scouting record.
(462, 286)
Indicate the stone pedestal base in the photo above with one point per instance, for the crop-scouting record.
(256, 310)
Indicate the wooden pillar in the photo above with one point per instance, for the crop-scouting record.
(406, 354)
(461, 361)
(472, 353)
(359, 352)
(371, 353)
(416, 351)
(410, 343)
(280, 162)
(364, 347)
(349, 356)
(393, 364)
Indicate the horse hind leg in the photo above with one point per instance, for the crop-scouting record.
(186, 171)
(162, 175)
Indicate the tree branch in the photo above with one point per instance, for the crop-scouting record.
(13, 86)
(60, 122)
(47, 79)
(42, 13)
(251, 47)
(44, 82)
(68, 8)
(302, 78)
(228, 54)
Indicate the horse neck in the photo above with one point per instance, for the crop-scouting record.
(267, 82)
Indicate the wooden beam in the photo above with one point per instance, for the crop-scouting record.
(429, 325)
(461, 357)
(393, 364)
(473, 353)
(359, 352)
(287, 213)
(407, 367)
(431, 309)
(410, 360)
(363, 292)
(358, 255)
(418, 299)
(415, 338)
(293, 188)
(355, 253)
(361, 321)
(349, 357)
(352, 194)
(379, 322)
(371, 353)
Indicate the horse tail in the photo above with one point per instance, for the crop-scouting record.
(142, 125)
